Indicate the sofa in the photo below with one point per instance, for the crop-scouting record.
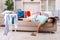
(31, 26)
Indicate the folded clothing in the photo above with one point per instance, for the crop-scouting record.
(20, 14)
(28, 13)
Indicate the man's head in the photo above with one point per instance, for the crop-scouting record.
(51, 20)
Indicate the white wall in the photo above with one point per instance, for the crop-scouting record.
(28, 5)
(57, 4)
(31, 7)
(57, 8)
(2, 5)
(30, 0)
(18, 5)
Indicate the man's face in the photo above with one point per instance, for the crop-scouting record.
(49, 20)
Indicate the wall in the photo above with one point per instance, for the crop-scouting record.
(28, 5)
(57, 8)
(2, 6)
(31, 7)
(57, 4)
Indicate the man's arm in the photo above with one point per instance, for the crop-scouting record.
(39, 26)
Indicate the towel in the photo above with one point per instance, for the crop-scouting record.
(28, 13)
(6, 21)
(13, 17)
(20, 14)
(8, 15)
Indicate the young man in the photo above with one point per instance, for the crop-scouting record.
(41, 19)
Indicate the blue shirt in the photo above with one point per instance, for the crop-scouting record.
(41, 18)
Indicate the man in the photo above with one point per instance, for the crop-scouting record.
(41, 19)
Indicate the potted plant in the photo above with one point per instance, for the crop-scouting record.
(9, 4)
(32, 0)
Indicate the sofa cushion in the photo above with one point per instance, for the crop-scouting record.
(48, 25)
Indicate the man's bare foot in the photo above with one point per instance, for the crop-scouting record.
(33, 34)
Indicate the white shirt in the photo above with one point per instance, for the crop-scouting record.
(33, 17)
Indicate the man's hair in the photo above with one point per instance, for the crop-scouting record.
(53, 18)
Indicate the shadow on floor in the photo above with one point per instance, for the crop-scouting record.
(32, 31)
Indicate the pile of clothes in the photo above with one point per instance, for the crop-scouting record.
(23, 14)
